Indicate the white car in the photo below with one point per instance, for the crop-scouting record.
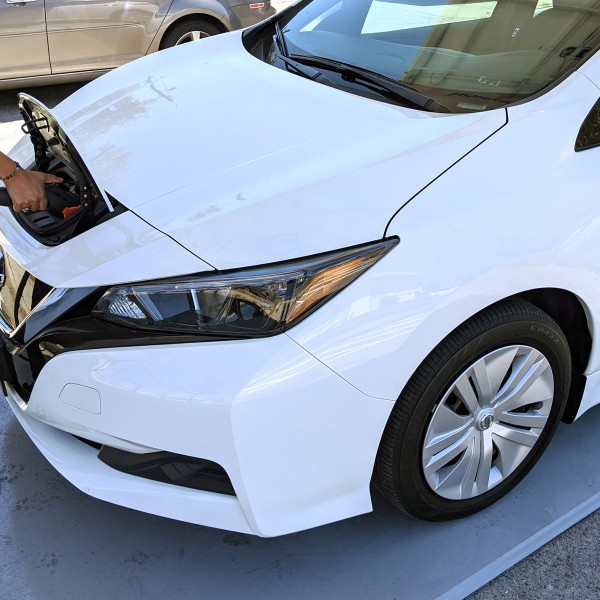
(379, 264)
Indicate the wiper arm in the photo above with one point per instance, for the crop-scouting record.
(397, 89)
(299, 68)
(281, 43)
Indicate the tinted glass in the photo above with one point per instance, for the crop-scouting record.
(589, 134)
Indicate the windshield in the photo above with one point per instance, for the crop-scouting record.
(466, 55)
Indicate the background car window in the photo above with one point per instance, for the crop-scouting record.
(542, 5)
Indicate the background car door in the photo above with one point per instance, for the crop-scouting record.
(23, 42)
(99, 34)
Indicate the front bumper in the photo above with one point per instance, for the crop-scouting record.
(297, 442)
(78, 462)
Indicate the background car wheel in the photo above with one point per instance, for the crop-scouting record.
(188, 31)
(476, 415)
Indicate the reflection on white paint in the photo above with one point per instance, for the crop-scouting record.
(274, 377)
(374, 336)
(10, 134)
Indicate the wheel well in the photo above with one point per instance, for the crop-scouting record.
(567, 310)
(218, 24)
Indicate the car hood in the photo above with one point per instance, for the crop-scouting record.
(243, 163)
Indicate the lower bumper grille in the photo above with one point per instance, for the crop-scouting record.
(167, 467)
(16, 370)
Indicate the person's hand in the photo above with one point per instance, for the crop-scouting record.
(26, 189)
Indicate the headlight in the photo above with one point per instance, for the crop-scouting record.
(245, 303)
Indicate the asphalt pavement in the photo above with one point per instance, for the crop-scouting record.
(566, 567)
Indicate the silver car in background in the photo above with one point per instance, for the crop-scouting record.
(55, 41)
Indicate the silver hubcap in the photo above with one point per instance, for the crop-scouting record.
(192, 36)
(488, 422)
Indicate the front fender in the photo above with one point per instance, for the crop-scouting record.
(512, 216)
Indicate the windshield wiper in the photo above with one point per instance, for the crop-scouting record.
(395, 89)
(299, 68)
(280, 39)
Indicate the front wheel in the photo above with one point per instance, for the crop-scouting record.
(477, 414)
(188, 31)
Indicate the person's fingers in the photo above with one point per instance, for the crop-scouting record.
(35, 197)
(51, 178)
(41, 200)
(38, 200)
(27, 190)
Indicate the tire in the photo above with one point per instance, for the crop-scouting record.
(455, 444)
(188, 31)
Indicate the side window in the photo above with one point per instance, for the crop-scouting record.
(541, 6)
(589, 134)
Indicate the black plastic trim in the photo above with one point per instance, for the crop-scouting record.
(589, 133)
(90, 333)
(167, 467)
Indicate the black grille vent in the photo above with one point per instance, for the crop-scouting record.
(185, 471)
